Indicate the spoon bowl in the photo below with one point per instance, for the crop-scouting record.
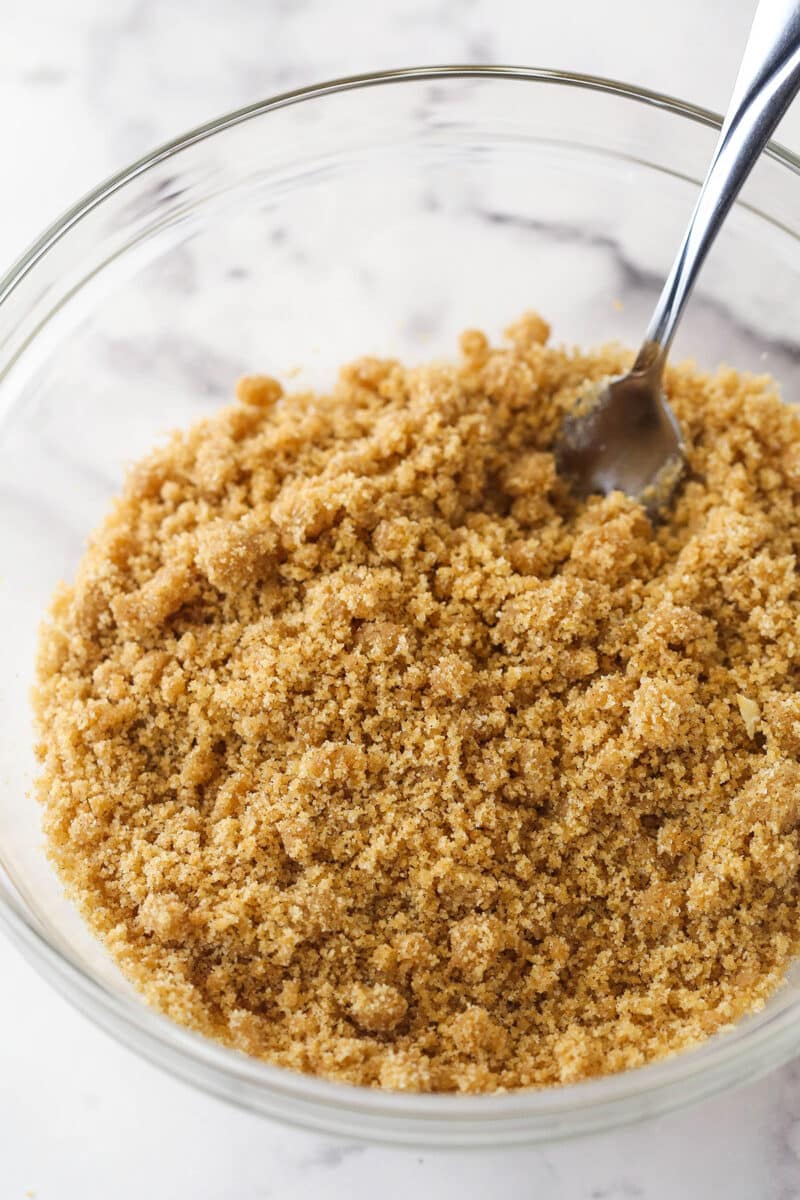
(624, 436)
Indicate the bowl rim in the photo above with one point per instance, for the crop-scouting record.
(587, 1106)
(10, 279)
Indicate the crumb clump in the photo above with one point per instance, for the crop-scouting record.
(369, 750)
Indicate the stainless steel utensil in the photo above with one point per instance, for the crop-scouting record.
(624, 436)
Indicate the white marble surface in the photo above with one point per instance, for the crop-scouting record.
(85, 86)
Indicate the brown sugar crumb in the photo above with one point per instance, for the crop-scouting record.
(751, 714)
(260, 390)
(377, 1008)
(370, 750)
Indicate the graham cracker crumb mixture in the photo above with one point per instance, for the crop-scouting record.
(371, 751)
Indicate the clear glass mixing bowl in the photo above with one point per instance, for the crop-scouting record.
(382, 214)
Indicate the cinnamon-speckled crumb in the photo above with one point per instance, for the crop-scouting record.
(369, 750)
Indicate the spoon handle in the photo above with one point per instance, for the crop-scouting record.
(768, 80)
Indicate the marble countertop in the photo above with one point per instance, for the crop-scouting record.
(86, 86)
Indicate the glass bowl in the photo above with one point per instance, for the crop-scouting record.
(381, 214)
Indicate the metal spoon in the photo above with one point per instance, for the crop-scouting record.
(625, 437)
